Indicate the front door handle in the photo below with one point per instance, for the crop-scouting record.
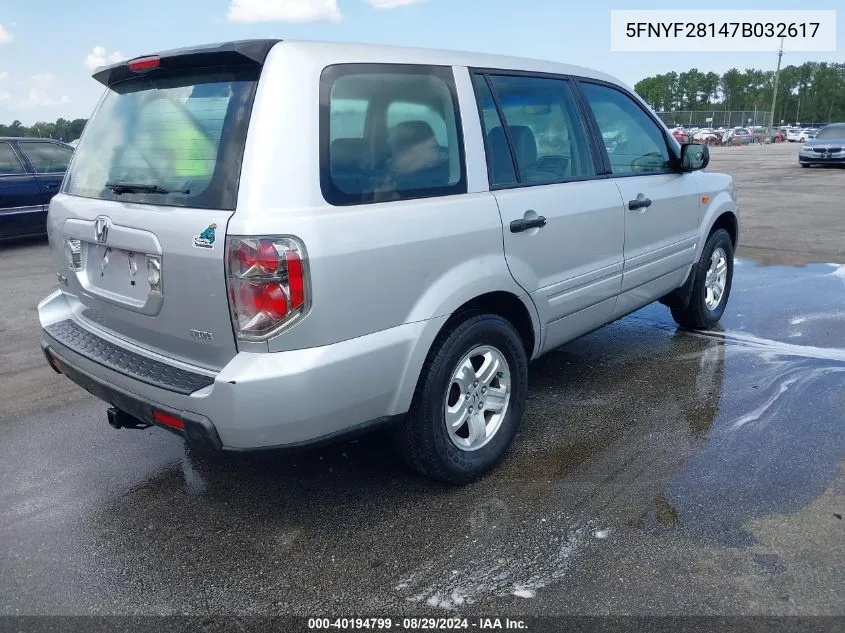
(51, 186)
(639, 203)
(518, 226)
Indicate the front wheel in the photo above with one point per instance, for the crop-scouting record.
(711, 286)
(469, 400)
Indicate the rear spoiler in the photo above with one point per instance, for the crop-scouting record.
(238, 53)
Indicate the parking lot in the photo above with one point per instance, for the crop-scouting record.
(658, 471)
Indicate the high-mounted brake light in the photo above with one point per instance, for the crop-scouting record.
(268, 284)
(144, 63)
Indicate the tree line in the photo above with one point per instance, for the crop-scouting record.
(62, 129)
(813, 92)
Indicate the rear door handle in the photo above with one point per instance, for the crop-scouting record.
(518, 226)
(639, 203)
(51, 186)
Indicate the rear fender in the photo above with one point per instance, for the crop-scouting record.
(445, 296)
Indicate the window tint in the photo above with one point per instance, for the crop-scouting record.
(47, 158)
(10, 164)
(634, 142)
(389, 133)
(181, 132)
(499, 161)
(545, 129)
(348, 118)
(401, 111)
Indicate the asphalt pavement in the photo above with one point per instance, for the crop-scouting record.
(658, 471)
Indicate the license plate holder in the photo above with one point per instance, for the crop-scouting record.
(118, 272)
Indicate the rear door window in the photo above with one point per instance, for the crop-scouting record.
(47, 158)
(183, 135)
(10, 164)
(389, 132)
(544, 127)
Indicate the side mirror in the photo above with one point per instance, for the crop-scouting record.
(694, 156)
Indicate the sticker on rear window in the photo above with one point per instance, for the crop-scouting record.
(206, 238)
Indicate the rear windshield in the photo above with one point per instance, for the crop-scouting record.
(183, 135)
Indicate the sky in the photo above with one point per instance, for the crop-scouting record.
(49, 48)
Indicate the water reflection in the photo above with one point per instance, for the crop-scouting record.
(638, 428)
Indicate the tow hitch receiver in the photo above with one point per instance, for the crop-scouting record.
(121, 420)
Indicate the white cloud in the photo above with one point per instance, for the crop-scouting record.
(4, 96)
(38, 95)
(283, 11)
(5, 36)
(4, 75)
(99, 56)
(391, 4)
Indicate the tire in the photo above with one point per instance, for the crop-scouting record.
(423, 438)
(804, 164)
(697, 315)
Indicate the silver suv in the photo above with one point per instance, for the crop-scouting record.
(266, 244)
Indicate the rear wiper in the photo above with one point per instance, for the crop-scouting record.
(132, 187)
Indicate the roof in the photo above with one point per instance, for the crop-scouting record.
(365, 53)
(31, 138)
(257, 50)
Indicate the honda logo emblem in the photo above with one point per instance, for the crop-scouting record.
(101, 229)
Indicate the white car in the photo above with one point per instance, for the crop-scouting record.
(706, 136)
(799, 135)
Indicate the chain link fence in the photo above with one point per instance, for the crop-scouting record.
(716, 118)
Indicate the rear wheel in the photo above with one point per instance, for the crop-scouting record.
(711, 286)
(469, 400)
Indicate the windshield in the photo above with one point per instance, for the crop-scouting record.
(180, 139)
(832, 131)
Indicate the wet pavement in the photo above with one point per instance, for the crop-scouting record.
(658, 471)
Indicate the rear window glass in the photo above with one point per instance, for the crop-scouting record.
(183, 135)
(389, 132)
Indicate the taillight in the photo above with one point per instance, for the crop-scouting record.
(73, 254)
(268, 284)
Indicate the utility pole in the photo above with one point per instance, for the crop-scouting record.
(775, 91)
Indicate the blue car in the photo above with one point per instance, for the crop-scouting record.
(31, 172)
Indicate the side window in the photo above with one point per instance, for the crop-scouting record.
(47, 158)
(544, 127)
(389, 132)
(10, 164)
(634, 142)
(499, 161)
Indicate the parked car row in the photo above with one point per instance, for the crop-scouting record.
(715, 136)
(31, 171)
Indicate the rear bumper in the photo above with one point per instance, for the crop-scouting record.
(198, 431)
(258, 400)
